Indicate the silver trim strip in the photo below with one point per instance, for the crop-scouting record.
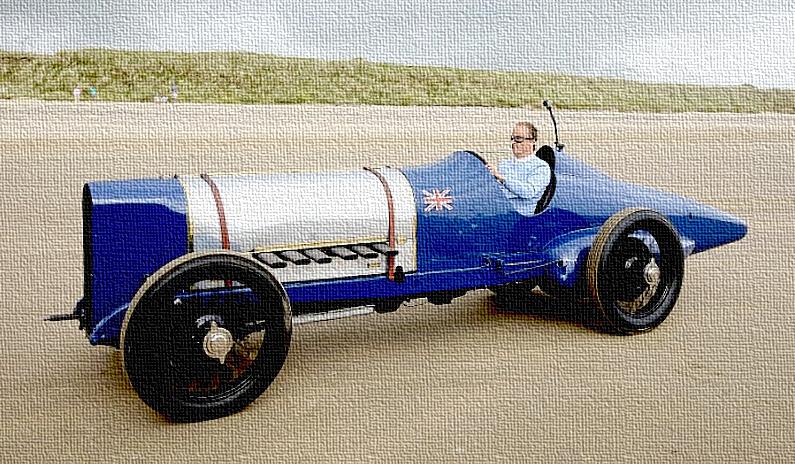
(333, 314)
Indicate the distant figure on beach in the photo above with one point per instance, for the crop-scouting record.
(76, 92)
(92, 91)
(174, 92)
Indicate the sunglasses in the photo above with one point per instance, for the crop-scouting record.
(519, 139)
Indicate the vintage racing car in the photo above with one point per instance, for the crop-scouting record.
(199, 278)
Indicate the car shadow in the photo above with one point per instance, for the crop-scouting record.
(540, 306)
(423, 325)
(385, 339)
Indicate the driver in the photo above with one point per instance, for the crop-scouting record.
(524, 177)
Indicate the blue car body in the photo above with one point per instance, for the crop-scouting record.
(134, 227)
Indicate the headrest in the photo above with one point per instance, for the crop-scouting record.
(547, 154)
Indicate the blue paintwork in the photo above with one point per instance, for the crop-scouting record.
(481, 221)
(138, 226)
(108, 330)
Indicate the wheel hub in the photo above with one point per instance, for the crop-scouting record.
(218, 342)
(628, 268)
(636, 274)
(651, 273)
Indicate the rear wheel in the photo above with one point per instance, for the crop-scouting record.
(634, 270)
(206, 336)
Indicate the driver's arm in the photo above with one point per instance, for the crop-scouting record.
(495, 172)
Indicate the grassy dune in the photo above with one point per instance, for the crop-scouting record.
(255, 78)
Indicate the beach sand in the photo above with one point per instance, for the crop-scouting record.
(462, 382)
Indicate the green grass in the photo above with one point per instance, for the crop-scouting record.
(265, 79)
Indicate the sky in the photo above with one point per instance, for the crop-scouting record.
(688, 41)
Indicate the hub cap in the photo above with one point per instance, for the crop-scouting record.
(651, 273)
(218, 342)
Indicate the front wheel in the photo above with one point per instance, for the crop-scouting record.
(634, 270)
(205, 336)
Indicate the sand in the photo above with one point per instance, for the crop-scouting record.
(462, 382)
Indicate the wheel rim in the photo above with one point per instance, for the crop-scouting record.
(196, 348)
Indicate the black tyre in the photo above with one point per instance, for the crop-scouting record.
(206, 335)
(634, 270)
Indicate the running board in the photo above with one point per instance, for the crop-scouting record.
(333, 314)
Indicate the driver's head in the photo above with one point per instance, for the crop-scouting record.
(523, 139)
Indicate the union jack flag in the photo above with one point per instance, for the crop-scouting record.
(438, 201)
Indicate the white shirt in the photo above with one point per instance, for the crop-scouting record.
(525, 181)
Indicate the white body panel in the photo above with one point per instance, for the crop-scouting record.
(279, 212)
